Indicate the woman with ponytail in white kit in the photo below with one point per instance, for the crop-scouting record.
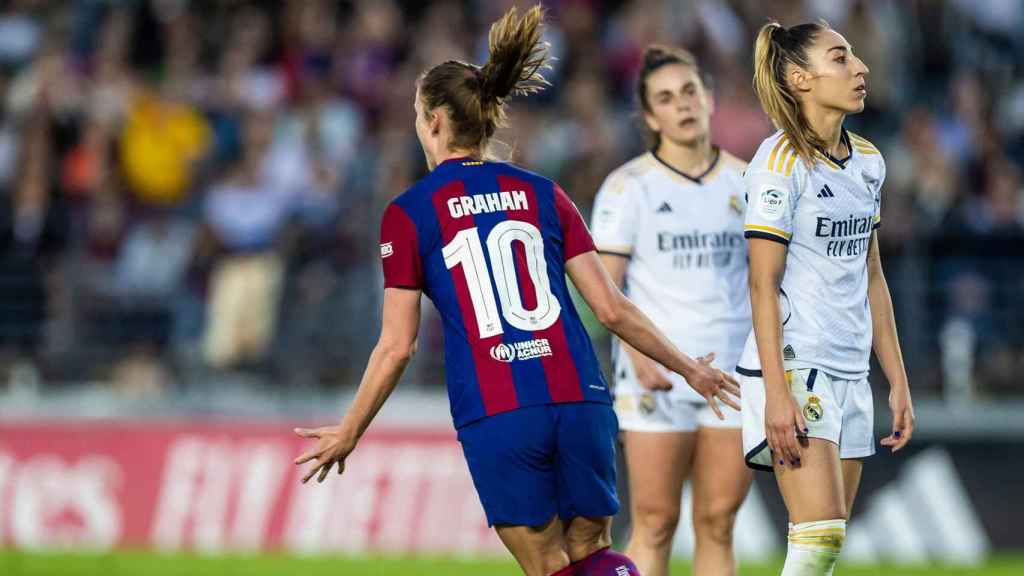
(819, 298)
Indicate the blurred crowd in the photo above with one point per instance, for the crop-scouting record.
(192, 188)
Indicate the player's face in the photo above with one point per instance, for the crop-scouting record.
(425, 132)
(837, 79)
(678, 106)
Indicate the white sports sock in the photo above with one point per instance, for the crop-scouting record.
(814, 547)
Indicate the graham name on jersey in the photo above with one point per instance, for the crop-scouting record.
(840, 245)
(491, 202)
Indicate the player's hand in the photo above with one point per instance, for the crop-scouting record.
(649, 373)
(712, 384)
(784, 425)
(333, 447)
(902, 418)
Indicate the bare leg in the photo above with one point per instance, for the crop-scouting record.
(817, 504)
(584, 536)
(720, 483)
(814, 491)
(540, 550)
(658, 464)
(851, 482)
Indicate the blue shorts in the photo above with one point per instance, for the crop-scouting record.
(534, 462)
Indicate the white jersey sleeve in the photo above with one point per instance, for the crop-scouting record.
(771, 205)
(616, 216)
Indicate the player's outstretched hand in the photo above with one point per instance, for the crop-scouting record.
(902, 418)
(712, 383)
(333, 447)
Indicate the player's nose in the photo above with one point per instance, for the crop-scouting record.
(861, 69)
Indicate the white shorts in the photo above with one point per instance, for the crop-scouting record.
(661, 411)
(840, 411)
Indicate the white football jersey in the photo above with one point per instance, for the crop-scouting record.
(688, 258)
(825, 214)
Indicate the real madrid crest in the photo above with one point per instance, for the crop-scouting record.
(735, 205)
(648, 403)
(813, 410)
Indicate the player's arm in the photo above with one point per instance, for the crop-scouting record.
(403, 280)
(887, 348)
(648, 373)
(772, 198)
(397, 342)
(782, 414)
(616, 266)
(620, 316)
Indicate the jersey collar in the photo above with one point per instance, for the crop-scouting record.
(698, 179)
(844, 137)
(457, 160)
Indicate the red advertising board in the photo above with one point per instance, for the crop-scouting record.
(212, 487)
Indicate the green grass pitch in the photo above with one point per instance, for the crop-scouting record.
(151, 564)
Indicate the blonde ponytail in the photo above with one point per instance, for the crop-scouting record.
(774, 49)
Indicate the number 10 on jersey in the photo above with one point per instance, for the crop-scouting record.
(467, 250)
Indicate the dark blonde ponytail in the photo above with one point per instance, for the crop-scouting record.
(475, 96)
(776, 47)
(516, 57)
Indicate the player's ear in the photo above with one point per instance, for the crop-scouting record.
(435, 121)
(799, 78)
(652, 123)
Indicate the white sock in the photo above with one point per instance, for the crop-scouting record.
(814, 547)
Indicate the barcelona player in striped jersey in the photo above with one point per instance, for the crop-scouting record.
(819, 298)
(490, 244)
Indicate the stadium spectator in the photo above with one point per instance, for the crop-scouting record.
(244, 216)
(134, 105)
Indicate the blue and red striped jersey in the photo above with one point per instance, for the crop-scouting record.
(487, 242)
